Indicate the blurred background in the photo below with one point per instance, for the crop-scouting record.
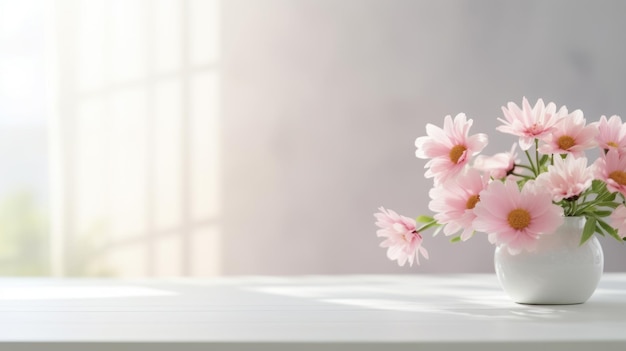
(206, 137)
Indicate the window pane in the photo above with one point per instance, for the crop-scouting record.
(24, 181)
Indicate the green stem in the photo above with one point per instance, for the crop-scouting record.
(427, 225)
(574, 207)
(521, 175)
(597, 200)
(527, 167)
(530, 160)
(537, 157)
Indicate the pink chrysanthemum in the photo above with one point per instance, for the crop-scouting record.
(618, 220)
(449, 149)
(570, 136)
(567, 178)
(454, 202)
(611, 168)
(516, 219)
(403, 241)
(529, 123)
(611, 133)
(499, 165)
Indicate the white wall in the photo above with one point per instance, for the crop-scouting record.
(322, 101)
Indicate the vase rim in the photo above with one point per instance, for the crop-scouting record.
(573, 220)
(574, 217)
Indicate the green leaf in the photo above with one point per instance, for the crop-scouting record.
(455, 239)
(424, 219)
(608, 204)
(597, 185)
(588, 229)
(607, 228)
(604, 225)
(521, 182)
(437, 230)
(602, 213)
(543, 163)
(610, 197)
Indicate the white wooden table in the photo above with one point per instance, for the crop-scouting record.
(410, 312)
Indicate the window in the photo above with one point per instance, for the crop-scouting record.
(24, 201)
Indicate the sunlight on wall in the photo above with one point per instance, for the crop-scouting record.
(139, 133)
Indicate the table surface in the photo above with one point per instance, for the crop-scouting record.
(393, 312)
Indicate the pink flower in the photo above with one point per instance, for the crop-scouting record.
(570, 136)
(529, 123)
(618, 220)
(516, 219)
(499, 165)
(611, 168)
(403, 241)
(611, 133)
(449, 149)
(567, 178)
(454, 202)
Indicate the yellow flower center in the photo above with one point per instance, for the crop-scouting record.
(565, 142)
(519, 219)
(612, 144)
(619, 177)
(472, 201)
(456, 152)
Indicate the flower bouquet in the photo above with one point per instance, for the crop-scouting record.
(516, 203)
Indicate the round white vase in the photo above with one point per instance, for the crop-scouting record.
(560, 271)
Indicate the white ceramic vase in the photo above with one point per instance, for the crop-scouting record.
(560, 271)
